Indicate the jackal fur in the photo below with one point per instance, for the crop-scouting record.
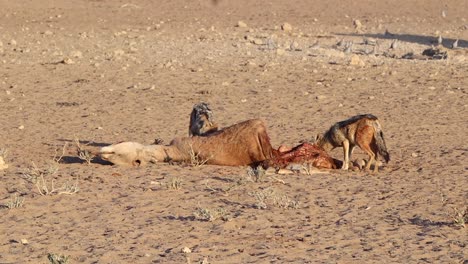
(363, 131)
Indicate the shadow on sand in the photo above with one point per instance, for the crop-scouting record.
(69, 159)
(419, 39)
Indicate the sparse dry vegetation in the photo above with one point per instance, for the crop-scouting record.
(58, 157)
(3, 152)
(195, 159)
(237, 183)
(15, 202)
(460, 216)
(82, 152)
(174, 184)
(57, 258)
(256, 173)
(210, 215)
(270, 196)
(43, 179)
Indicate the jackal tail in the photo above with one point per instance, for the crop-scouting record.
(380, 141)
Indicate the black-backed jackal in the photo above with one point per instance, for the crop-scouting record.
(201, 121)
(361, 130)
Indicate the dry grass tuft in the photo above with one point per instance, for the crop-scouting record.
(273, 197)
(15, 202)
(195, 159)
(210, 215)
(3, 152)
(174, 184)
(257, 174)
(57, 158)
(460, 217)
(57, 258)
(40, 177)
(83, 153)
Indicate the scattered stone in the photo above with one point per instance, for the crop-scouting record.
(47, 33)
(280, 52)
(257, 41)
(294, 46)
(286, 27)
(21, 127)
(320, 97)
(371, 97)
(348, 47)
(12, 42)
(241, 24)
(414, 155)
(119, 52)
(431, 88)
(76, 54)
(186, 250)
(431, 53)
(357, 24)
(3, 165)
(24, 241)
(99, 128)
(356, 61)
(370, 41)
(340, 43)
(67, 61)
(316, 45)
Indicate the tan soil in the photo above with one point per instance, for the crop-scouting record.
(108, 71)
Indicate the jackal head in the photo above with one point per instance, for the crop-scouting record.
(201, 120)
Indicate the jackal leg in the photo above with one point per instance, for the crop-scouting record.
(351, 150)
(346, 155)
(365, 138)
(372, 160)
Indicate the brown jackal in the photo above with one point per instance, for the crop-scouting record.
(361, 130)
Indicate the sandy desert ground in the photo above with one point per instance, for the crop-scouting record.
(106, 71)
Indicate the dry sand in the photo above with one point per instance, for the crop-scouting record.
(108, 71)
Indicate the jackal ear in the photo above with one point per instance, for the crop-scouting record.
(318, 137)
